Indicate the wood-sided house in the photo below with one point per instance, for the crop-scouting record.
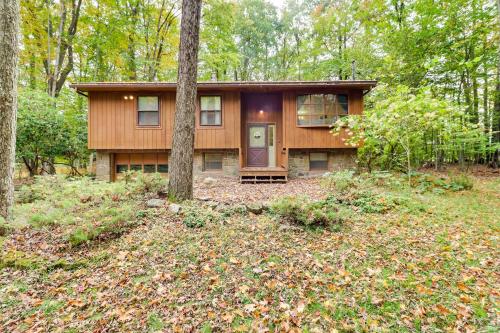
(254, 130)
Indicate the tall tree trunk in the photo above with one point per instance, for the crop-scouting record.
(9, 30)
(181, 172)
(495, 118)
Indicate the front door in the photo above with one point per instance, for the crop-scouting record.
(257, 145)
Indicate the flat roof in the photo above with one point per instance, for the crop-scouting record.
(224, 85)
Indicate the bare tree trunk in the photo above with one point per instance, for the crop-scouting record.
(181, 172)
(9, 30)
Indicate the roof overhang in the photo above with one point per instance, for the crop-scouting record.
(364, 85)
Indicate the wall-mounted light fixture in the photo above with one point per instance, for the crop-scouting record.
(131, 97)
(125, 97)
(261, 111)
(128, 97)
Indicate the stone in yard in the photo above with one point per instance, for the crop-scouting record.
(209, 181)
(255, 208)
(174, 208)
(204, 198)
(155, 203)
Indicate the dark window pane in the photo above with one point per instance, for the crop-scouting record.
(121, 168)
(136, 167)
(343, 109)
(163, 168)
(149, 118)
(318, 165)
(318, 161)
(342, 99)
(213, 162)
(210, 118)
(149, 168)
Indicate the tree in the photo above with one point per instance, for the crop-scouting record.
(41, 135)
(181, 172)
(9, 30)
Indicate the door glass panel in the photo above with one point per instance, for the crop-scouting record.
(257, 137)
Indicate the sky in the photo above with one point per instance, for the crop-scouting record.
(277, 3)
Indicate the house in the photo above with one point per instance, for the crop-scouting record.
(259, 131)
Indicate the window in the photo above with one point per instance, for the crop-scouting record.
(121, 168)
(136, 167)
(212, 162)
(148, 111)
(163, 168)
(318, 161)
(321, 109)
(210, 111)
(149, 168)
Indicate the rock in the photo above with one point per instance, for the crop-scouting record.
(155, 203)
(85, 198)
(209, 181)
(255, 208)
(174, 208)
(204, 198)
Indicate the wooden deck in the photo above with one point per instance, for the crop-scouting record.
(263, 175)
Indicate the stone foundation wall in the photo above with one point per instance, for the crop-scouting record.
(338, 159)
(104, 166)
(230, 163)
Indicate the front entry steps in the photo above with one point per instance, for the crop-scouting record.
(253, 175)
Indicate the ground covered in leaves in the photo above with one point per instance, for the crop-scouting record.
(419, 258)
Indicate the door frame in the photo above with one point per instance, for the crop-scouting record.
(266, 124)
(248, 143)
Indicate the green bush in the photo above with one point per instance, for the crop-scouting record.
(150, 183)
(301, 211)
(369, 202)
(460, 183)
(340, 181)
(197, 217)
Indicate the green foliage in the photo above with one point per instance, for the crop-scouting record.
(298, 210)
(45, 131)
(149, 183)
(196, 217)
(403, 130)
(19, 260)
(461, 182)
(341, 181)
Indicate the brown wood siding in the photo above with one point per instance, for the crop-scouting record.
(314, 137)
(113, 123)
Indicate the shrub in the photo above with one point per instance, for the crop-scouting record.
(301, 211)
(150, 183)
(197, 217)
(27, 194)
(460, 182)
(369, 202)
(341, 181)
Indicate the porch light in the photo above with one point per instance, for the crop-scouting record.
(261, 111)
(131, 97)
(125, 97)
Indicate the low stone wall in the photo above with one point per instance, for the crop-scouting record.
(338, 159)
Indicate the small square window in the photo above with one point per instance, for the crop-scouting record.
(318, 161)
(121, 168)
(212, 161)
(149, 168)
(163, 168)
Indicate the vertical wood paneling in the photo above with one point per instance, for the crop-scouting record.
(113, 124)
